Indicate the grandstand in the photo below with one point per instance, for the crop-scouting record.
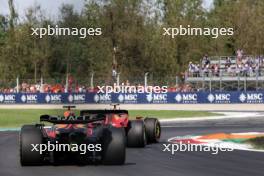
(217, 73)
(220, 73)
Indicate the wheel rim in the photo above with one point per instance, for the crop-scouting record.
(157, 130)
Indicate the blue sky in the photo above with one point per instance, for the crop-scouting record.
(51, 6)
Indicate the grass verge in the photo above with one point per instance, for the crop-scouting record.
(257, 143)
(17, 117)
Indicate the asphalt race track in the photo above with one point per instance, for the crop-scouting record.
(151, 160)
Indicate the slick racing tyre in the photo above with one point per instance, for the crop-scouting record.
(153, 129)
(114, 146)
(136, 136)
(30, 134)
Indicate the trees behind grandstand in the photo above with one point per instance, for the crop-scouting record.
(134, 28)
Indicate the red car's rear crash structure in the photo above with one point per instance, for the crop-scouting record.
(109, 131)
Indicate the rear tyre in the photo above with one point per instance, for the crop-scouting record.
(136, 136)
(30, 134)
(153, 129)
(114, 146)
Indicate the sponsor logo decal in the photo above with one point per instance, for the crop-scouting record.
(76, 98)
(7, 98)
(157, 98)
(186, 98)
(127, 98)
(51, 98)
(29, 98)
(251, 97)
(219, 98)
(102, 98)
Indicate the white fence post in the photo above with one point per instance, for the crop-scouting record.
(41, 85)
(92, 80)
(17, 83)
(118, 79)
(66, 85)
(146, 79)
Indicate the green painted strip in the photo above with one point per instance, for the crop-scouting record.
(239, 140)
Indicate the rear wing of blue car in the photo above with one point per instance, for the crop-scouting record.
(72, 120)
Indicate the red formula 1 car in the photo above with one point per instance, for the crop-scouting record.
(139, 132)
(102, 134)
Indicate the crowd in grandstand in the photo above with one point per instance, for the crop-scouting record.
(60, 88)
(241, 65)
(44, 88)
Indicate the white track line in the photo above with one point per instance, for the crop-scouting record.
(226, 115)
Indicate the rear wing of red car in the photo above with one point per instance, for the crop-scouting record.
(102, 112)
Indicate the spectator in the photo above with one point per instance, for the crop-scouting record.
(239, 53)
(216, 70)
(197, 70)
(205, 60)
(228, 62)
(191, 68)
(127, 83)
(114, 75)
(238, 69)
(206, 70)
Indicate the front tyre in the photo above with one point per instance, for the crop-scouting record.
(153, 129)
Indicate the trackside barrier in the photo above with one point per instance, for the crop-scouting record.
(134, 98)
